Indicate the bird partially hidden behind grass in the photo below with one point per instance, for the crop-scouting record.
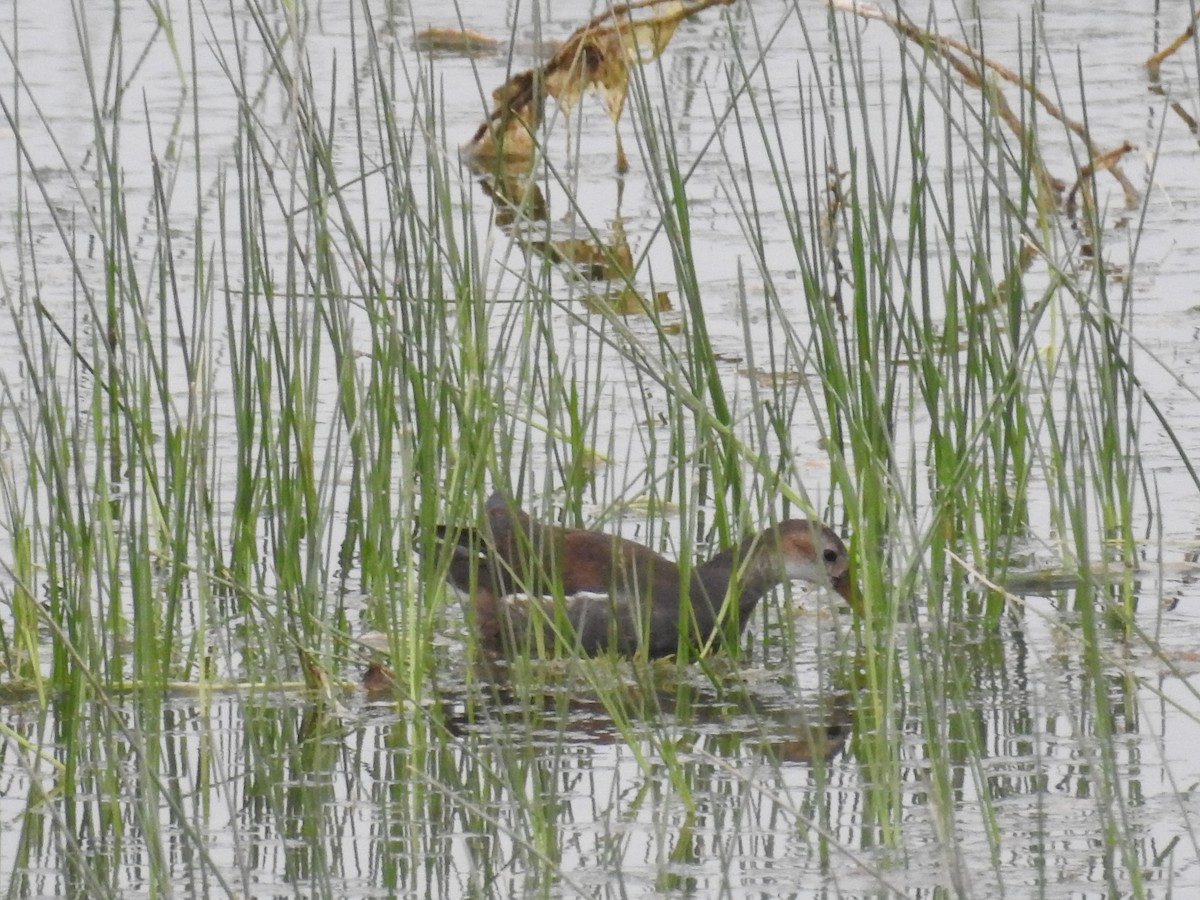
(619, 595)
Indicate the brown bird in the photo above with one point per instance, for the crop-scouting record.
(618, 594)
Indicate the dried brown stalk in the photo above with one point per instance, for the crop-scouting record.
(1155, 62)
(1188, 119)
(1105, 161)
(456, 40)
(947, 46)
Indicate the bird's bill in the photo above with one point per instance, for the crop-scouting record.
(844, 585)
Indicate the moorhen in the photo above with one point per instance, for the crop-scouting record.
(621, 595)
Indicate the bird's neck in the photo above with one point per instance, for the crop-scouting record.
(750, 569)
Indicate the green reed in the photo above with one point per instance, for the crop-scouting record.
(970, 365)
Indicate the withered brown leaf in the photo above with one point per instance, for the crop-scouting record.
(596, 56)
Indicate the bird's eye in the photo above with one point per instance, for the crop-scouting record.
(831, 555)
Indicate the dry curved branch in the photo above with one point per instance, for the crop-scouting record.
(947, 47)
(942, 44)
